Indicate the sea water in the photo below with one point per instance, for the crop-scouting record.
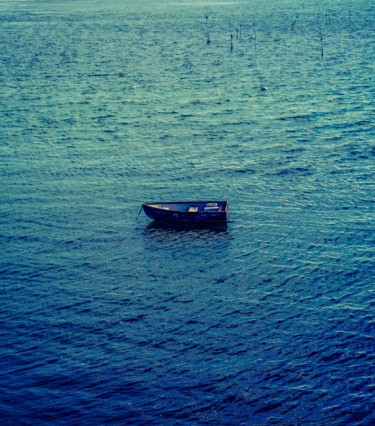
(107, 318)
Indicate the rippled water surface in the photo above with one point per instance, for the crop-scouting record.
(107, 317)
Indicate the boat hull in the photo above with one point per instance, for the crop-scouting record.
(194, 212)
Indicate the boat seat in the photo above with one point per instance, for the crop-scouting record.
(193, 209)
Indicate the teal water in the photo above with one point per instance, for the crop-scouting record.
(109, 318)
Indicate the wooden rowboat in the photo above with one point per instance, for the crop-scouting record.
(195, 212)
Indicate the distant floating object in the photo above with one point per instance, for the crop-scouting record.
(263, 88)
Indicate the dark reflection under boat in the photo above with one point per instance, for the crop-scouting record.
(185, 227)
(190, 239)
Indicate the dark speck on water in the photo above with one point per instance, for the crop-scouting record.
(107, 318)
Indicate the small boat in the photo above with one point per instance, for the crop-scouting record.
(194, 212)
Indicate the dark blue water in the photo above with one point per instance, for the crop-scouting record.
(107, 318)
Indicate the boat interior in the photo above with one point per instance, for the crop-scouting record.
(192, 207)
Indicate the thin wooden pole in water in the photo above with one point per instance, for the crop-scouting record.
(321, 37)
(207, 33)
(321, 42)
(255, 36)
(328, 17)
(294, 24)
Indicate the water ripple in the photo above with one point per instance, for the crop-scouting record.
(108, 318)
